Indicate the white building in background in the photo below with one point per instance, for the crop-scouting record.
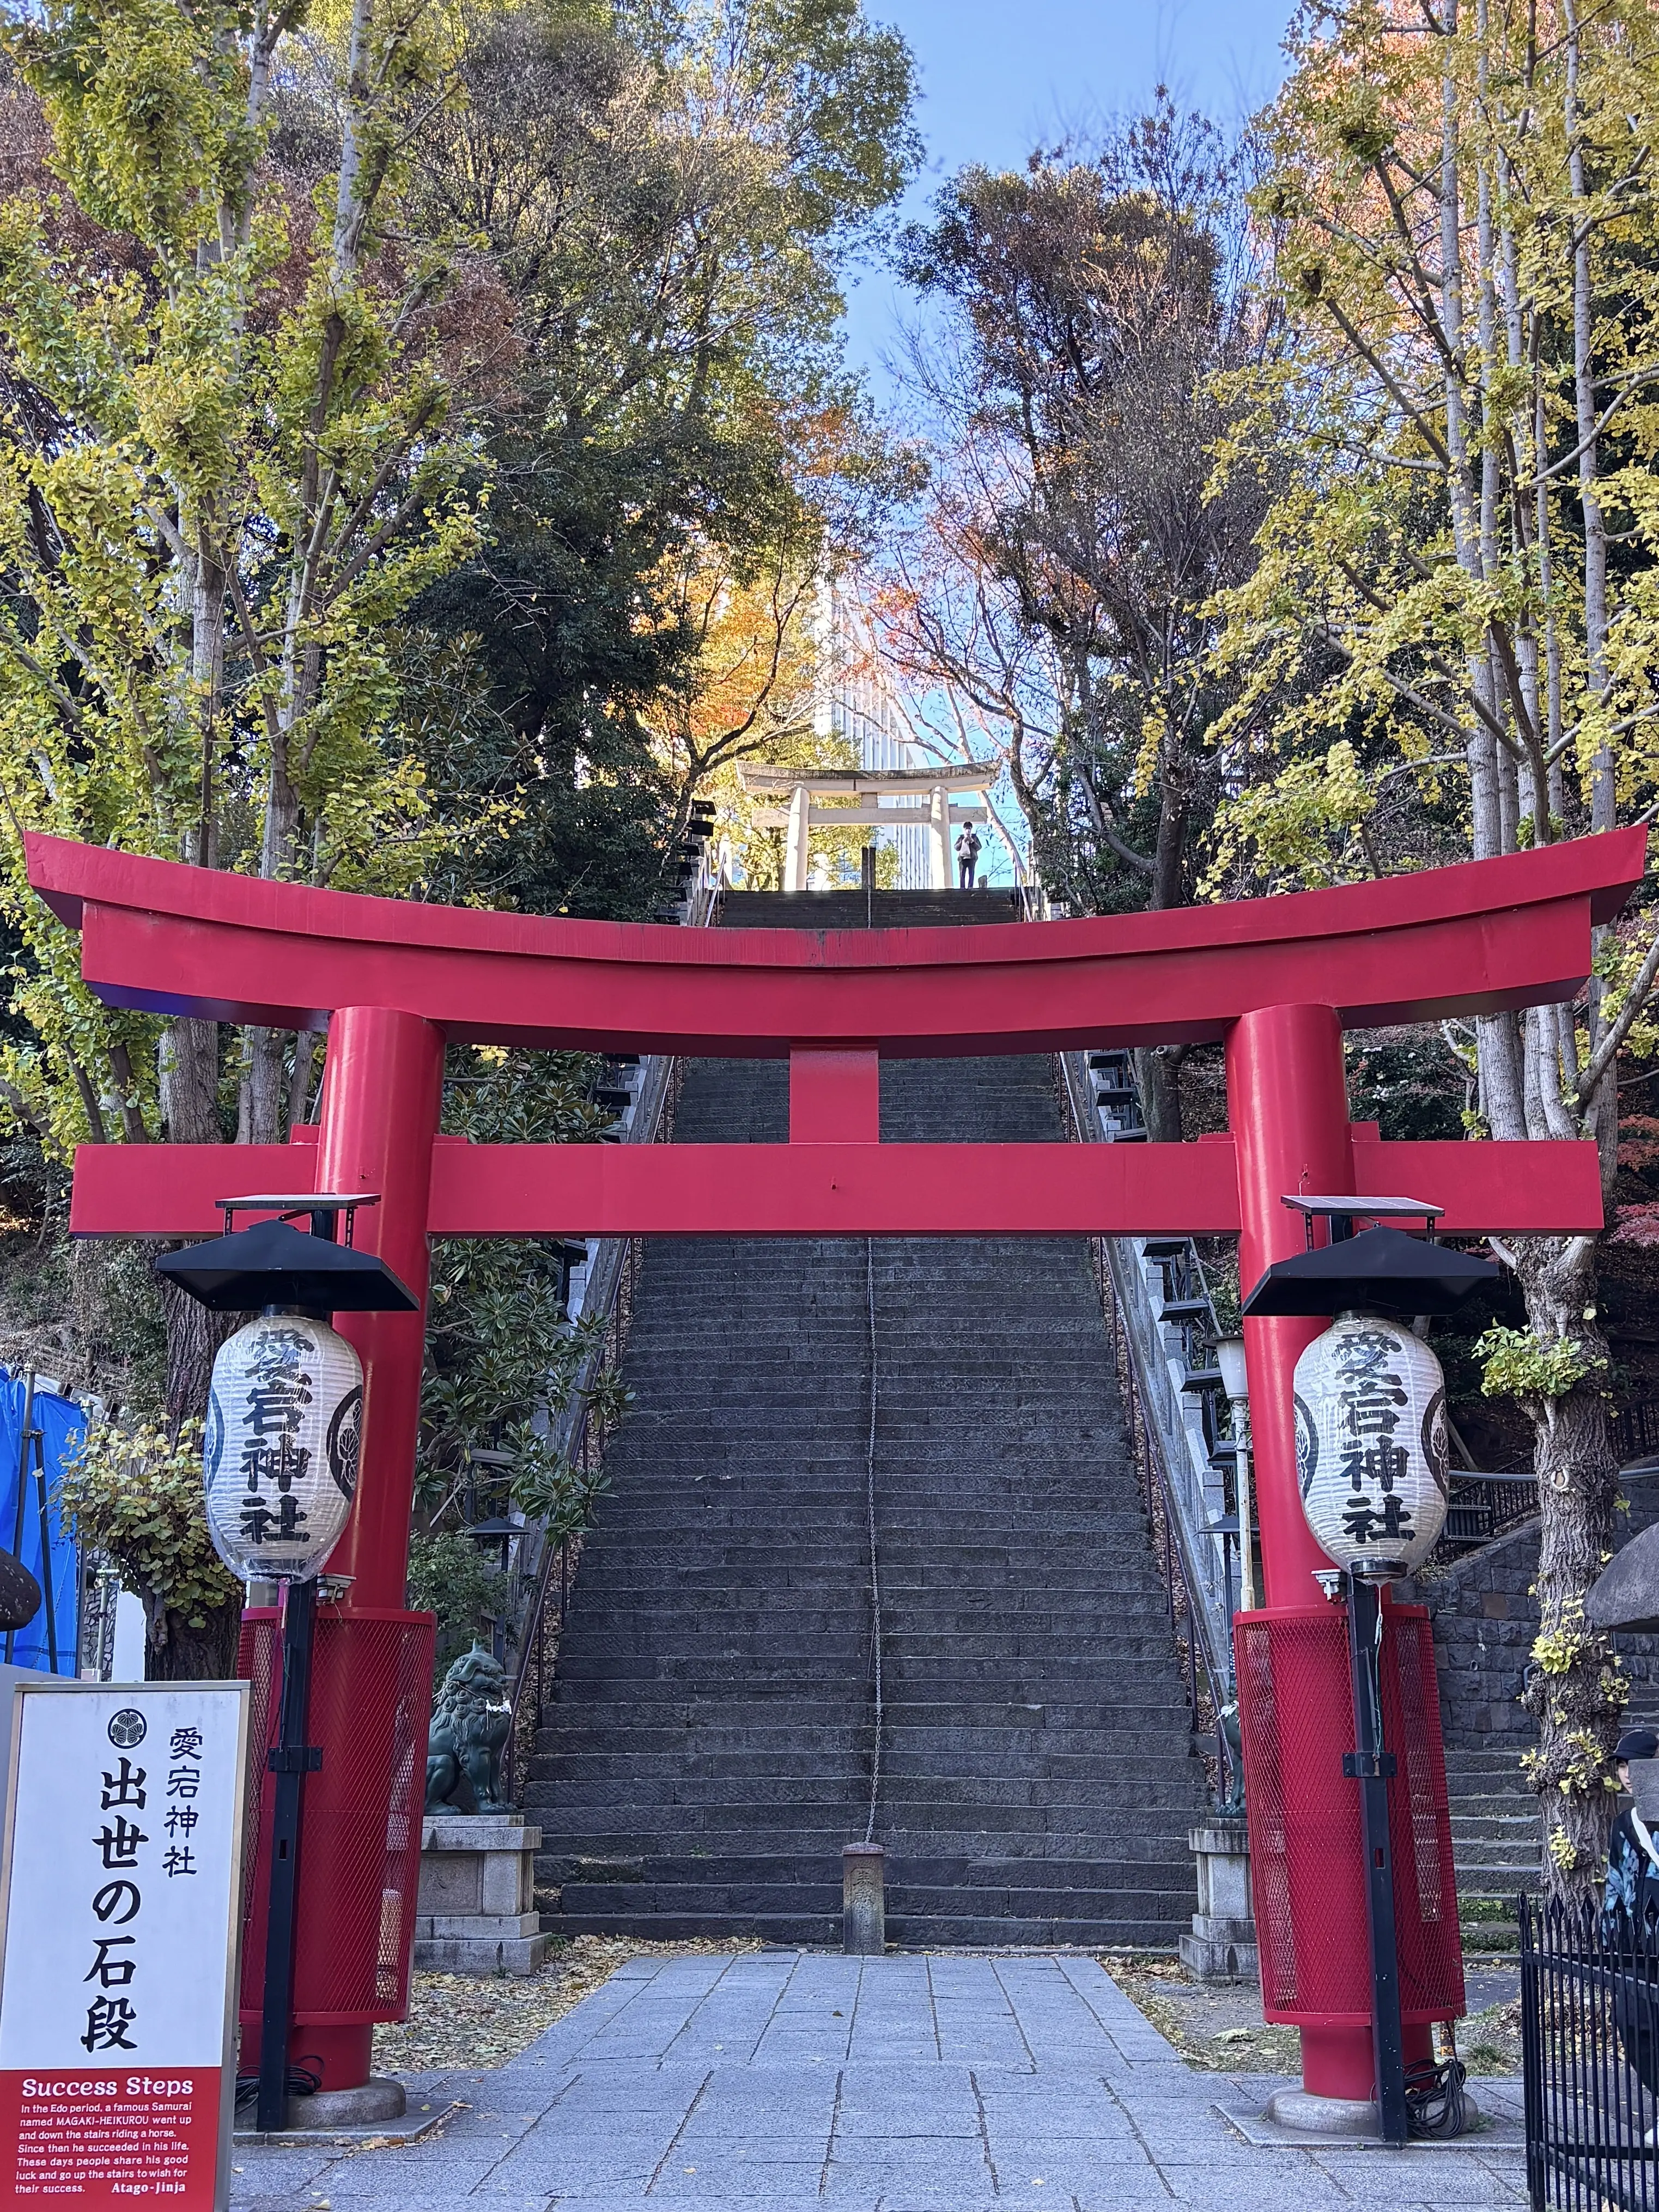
(903, 738)
(856, 703)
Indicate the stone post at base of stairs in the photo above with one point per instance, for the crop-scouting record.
(1221, 1946)
(476, 1909)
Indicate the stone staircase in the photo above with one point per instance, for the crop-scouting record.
(859, 910)
(709, 1746)
(1496, 1845)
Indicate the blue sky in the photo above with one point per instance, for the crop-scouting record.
(997, 78)
(998, 74)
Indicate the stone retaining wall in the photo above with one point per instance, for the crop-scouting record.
(1485, 1619)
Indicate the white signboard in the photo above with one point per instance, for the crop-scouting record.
(120, 1896)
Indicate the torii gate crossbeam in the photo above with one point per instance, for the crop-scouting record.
(1477, 939)
(1277, 980)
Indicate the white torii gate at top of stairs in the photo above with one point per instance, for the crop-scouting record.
(869, 787)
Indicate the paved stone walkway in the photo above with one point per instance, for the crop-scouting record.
(801, 2081)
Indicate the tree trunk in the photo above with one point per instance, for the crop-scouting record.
(189, 1111)
(194, 1334)
(1604, 799)
(1157, 1078)
(190, 1084)
(299, 1081)
(264, 1088)
(1576, 1688)
(195, 1655)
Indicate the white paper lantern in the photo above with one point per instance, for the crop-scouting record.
(1370, 1445)
(280, 1454)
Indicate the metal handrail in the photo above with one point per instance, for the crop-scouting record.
(1482, 1508)
(1160, 1358)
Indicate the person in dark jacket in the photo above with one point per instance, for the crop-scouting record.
(1630, 1902)
(1629, 1907)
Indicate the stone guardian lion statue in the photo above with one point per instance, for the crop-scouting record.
(470, 1724)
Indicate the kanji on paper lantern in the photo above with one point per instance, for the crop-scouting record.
(1370, 1445)
(280, 1454)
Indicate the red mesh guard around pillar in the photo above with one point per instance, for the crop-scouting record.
(360, 1846)
(1296, 1714)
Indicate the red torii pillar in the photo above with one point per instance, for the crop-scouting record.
(1277, 980)
(1287, 1098)
(378, 1117)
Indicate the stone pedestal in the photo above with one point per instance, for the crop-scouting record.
(476, 1911)
(1221, 1946)
(863, 1900)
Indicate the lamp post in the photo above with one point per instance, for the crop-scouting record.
(1230, 1358)
(1371, 1425)
(1369, 1406)
(500, 1535)
(280, 1454)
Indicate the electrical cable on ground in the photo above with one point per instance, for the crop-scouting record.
(875, 1563)
(302, 2081)
(1435, 2103)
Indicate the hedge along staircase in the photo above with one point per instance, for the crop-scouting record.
(711, 1736)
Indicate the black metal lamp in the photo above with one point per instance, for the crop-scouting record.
(1382, 1270)
(499, 1533)
(274, 1264)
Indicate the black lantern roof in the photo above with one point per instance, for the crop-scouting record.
(1626, 1594)
(273, 1265)
(1380, 1271)
(20, 1593)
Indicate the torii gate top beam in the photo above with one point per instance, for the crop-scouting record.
(852, 782)
(1476, 938)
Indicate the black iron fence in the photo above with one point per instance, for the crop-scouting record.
(1483, 1507)
(1589, 2033)
(1636, 1432)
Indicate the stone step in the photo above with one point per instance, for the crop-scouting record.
(1528, 1856)
(1497, 1839)
(911, 1648)
(594, 1775)
(707, 1518)
(1116, 1902)
(1025, 1803)
(712, 1729)
(1018, 1871)
(628, 1855)
(761, 1566)
(909, 1930)
(1075, 1751)
(1507, 1826)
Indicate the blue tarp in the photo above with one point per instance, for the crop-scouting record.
(61, 1424)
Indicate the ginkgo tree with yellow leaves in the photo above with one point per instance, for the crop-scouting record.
(234, 448)
(767, 659)
(751, 683)
(1446, 647)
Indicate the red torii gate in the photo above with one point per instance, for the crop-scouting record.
(1277, 981)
